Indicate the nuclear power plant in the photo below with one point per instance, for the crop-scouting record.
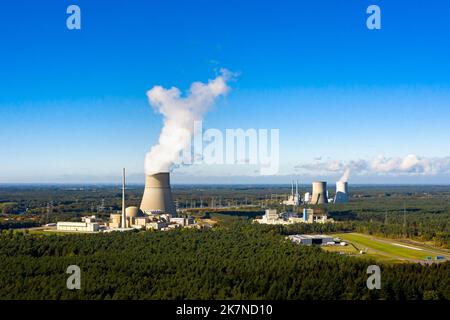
(157, 196)
(157, 210)
(319, 195)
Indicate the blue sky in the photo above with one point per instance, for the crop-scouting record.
(73, 104)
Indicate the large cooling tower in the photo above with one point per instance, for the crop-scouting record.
(341, 192)
(319, 193)
(157, 196)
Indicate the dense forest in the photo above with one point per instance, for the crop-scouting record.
(5, 225)
(239, 261)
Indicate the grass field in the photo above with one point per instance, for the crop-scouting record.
(387, 249)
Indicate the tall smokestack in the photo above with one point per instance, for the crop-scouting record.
(124, 218)
(319, 193)
(157, 196)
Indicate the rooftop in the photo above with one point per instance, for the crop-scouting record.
(310, 236)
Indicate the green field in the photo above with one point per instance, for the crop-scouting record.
(388, 249)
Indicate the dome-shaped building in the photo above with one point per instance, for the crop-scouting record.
(135, 217)
(133, 212)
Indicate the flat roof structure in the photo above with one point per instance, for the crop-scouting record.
(311, 238)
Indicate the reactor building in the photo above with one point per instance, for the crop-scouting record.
(157, 196)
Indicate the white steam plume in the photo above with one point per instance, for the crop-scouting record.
(180, 113)
(345, 176)
(409, 165)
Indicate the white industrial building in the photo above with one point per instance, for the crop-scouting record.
(307, 197)
(310, 239)
(156, 225)
(183, 222)
(86, 226)
(294, 199)
(309, 216)
(272, 217)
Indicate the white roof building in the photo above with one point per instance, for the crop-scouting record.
(310, 239)
(77, 226)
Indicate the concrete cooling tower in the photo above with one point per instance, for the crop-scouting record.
(341, 192)
(319, 193)
(157, 196)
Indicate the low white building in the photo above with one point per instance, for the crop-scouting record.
(89, 219)
(178, 220)
(273, 217)
(156, 225)
(183, 222)
(77, 226)
(140, 221)
(309, 239)
(296, 219)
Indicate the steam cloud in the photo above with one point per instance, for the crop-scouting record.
(180, 113)
(409, 165)
(345, 176)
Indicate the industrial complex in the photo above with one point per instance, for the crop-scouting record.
(305, 213)
(271, 216)
(319, 194)
(156, 212)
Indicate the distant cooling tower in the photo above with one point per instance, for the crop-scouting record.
(341, 192)
(157, 196)
(319, 193)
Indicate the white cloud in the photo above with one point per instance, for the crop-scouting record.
(381, 165)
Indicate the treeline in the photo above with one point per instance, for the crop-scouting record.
(12, 224)
(242, 261)
(439, 237)
(319, 228)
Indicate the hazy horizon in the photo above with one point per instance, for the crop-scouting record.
(138, 179)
